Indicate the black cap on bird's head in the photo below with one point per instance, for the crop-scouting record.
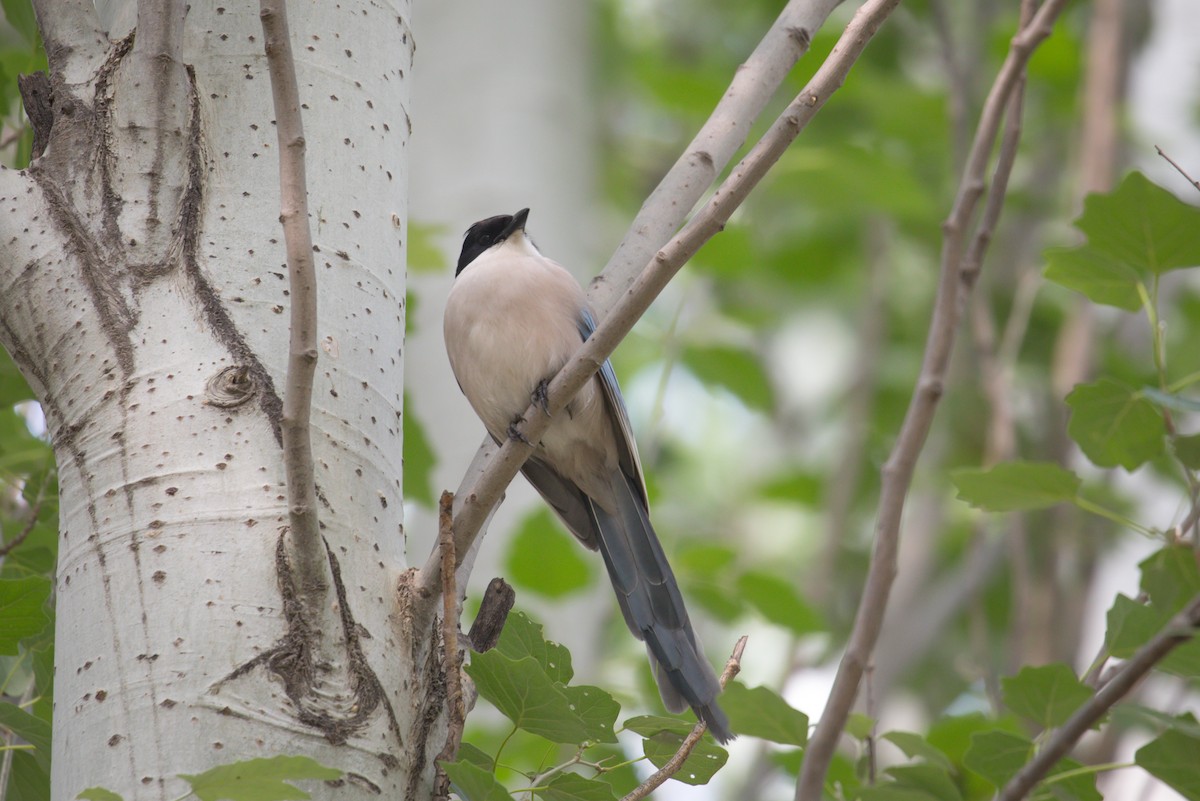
(488, 233)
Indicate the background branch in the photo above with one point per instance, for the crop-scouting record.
(480, 498)
(897, 472)
(307, 550)
(1180, 629)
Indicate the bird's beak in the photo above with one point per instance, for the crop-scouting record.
(517, 224)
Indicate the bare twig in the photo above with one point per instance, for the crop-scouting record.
(860, 401)
(673, 764)
(452, 660)
(1181, 629)
(10, 135)
(479, 499)
(898, 470)
(7, 547)
(1180, 170)
(307, 549)
(1101, 96)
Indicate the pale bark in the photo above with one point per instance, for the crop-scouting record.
(143, 294)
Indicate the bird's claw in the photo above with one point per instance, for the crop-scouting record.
(541, 396)
(515, 433)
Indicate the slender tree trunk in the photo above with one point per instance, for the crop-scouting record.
(143, 294)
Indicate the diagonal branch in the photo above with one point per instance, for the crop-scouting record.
(306, 548)
(754, 84)
(1180, 629)
(480, 498)
(898, 471)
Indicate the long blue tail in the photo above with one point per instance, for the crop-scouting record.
(653, 607)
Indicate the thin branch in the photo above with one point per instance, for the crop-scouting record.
(452, 659)
(1182, 628)
(754, 84)
(75, 44)
(898, 470)
(480, 498)
(307, 549)
(7, 547)
(10, 135)
(1101, 96)
(860, 402)
(1171, 161)
(672, 765)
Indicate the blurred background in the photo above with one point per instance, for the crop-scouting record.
(767, 384)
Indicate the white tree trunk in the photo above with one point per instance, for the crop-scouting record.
(142, 292)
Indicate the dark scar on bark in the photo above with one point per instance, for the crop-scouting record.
(37, 95)
(292, 661)
(214, 311)
(434, 702)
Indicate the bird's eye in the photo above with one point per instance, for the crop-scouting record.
(485, 240)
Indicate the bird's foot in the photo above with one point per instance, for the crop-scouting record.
(515, 433)
(541, 396)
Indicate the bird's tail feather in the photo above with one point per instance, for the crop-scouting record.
(650, 600)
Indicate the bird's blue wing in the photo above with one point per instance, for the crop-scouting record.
(630, 462)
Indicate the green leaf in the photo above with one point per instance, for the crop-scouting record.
(472, 754)
(264, 779)
(1115, 425)
(1081, 787)
(1015, 486)
(915, 746)
(761, 712)
(597, 709)
(1047, 695)
(573, 787)
(473, 783)
(1171, 758)
(542, 558)
(704, 761)
(734, 369)
(650, 725)
(424, 255)
(1187, 450)
(778, 601)
(934, 781)
(32, 730)
(860, 726)
(28, 781)
(522, 637)
(13, 388)
(1130, 625)
(891, 791)
(997, 755)
(1142, 225)
(99, 794)
(22, 612)
(521, 689)
(1093, 273)
(419, 459)
(19, 14)
(1171, 577)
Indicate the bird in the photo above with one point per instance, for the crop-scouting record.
(513, 318)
